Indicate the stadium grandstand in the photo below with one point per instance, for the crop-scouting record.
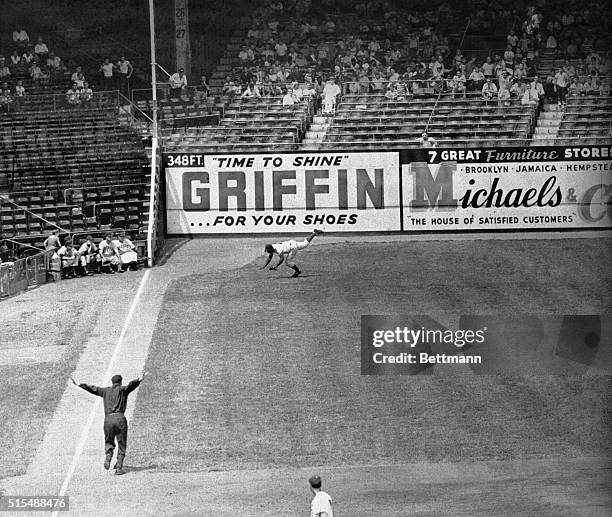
(76, 121)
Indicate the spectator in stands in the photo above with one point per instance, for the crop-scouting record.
(178, 83)
(55, 65)
(203, 87)
(377, 83)
(457, 83)
(229, 87)
(124, 73)
(72, 95)
(489, 90)
(88, 256)
(520, 71)
(592, 87)
(251, 91)
(476, 79)
(488, 68)
(509, 55)
(108, 74)
(127, 255)
(109, 256)
(298, 92)
(15, 60)
(79, 79)
(28, 56)
(246, 55)
(20, 38)
(20, 91)
(537, 90)
(76, 74)
(569, 69)
(530, 97)
(561, 82)
(288, 99)
(330, 95)
(5, 98)
(69, 257)
(503, 96)
(458, 59)
(5, 72)
(512, 39)
(85, 93)
(500, 67)
(516, 90)
(41, 50)
(37, 74)
(593, 60)
(426, 141)
(575, 88)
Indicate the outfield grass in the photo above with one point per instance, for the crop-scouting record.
(31, 391)
(252, 369)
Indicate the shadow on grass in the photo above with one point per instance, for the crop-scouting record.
(135, 468)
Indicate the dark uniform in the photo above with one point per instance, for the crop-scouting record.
(115, 424)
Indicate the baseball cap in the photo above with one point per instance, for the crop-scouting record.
(116, 379)
(315, 481)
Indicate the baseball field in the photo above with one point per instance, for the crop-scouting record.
(253, 382)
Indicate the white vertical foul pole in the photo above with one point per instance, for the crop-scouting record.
(154, 141)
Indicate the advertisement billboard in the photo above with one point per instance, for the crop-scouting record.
(507, 188)
(349, 192)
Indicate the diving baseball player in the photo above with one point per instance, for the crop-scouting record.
(286, 251)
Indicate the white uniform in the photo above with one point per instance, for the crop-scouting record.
(321, 502)
(126, 251)
(288, 249)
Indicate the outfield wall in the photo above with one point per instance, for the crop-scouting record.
(535, 188)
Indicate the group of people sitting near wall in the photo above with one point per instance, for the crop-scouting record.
(114, 254)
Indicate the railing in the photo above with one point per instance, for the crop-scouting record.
(137, 116)
(31, 214)
(163, 92)
(58, 101)
(98, 188)
(23, 274)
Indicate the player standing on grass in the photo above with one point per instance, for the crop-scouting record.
(321, 505)
(286, 251)
(115, 424)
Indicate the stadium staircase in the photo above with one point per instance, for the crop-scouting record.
(547, 128)
(313, 140)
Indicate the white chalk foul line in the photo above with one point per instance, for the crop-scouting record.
(107, 376)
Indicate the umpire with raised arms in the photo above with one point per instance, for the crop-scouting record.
(115, 424)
